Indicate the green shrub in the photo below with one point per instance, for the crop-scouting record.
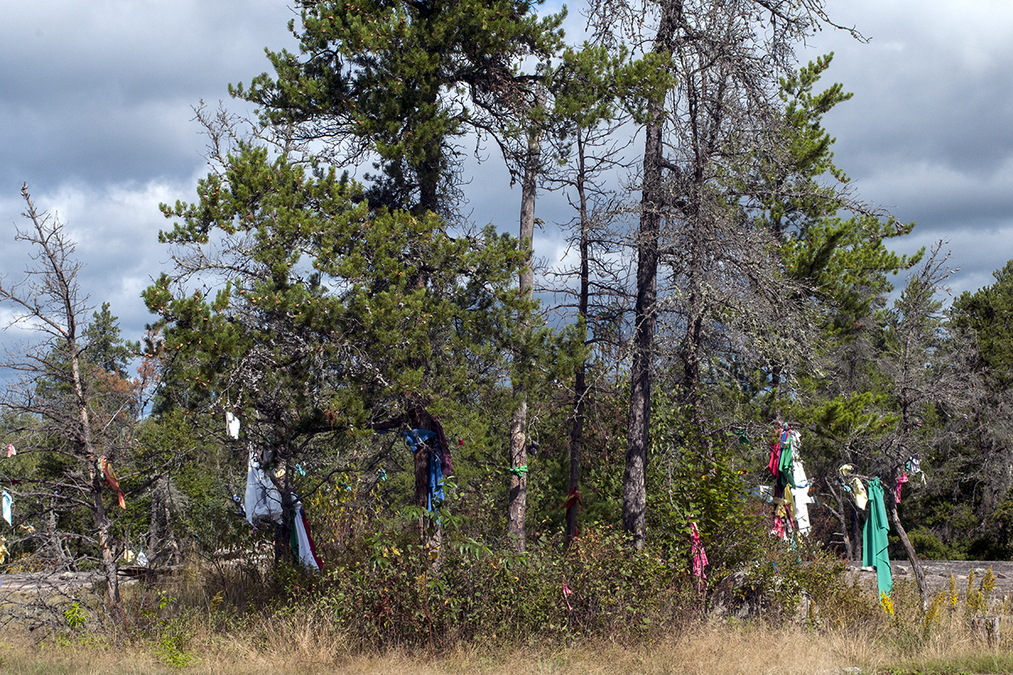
(389, 590)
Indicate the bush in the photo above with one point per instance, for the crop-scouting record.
(389, 591)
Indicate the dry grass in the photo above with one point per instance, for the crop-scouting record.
(301, 645)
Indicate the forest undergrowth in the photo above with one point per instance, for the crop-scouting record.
(392, 606)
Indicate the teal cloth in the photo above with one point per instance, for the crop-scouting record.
(785, 465)
(874, 539)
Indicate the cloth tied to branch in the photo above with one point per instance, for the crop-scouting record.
(874, 538)
(699, 556)
(112, 481)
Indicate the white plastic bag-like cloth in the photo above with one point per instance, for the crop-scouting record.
(263, 501)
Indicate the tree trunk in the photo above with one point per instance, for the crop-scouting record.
(283, 530)
(841, 515)
(912, 556)
(430, 529)
(856, 531)
(644, 318)
(580, 384)
(106, 547)
(517, 507)
(97, 479)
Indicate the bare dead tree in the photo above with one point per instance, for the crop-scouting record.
(703, 135)
(925, 380)
(61, 409)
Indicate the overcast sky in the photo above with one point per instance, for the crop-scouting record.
(96, 116)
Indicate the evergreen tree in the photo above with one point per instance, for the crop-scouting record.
(399, 84)
(842, 265)
(402, 81)
(980, 448)
(331, 320)
(104, 346)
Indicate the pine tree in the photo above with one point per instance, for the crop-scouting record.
(401, 82)
(105, 348)
(331, 319)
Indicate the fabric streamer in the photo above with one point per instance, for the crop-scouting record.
(567, 592)
(10, 450)
(901, 479)
(446, 460)
(699, 557)
(785, 463)
(775, 458)
(874, 538)
(802, 498)
(303, 548)
(8, 506)
(112, 481)
(854, 485)
(418, 439)
(263, 501)
(232, 425)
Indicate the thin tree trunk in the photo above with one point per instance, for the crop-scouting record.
(856, 532)
(912, 555)
(426, 453)
(96, 477)
(842, 518)
(639, 421)
(283, 530)
(517, 508)
(580, 384)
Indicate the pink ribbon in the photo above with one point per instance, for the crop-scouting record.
(901, 479)
(699, 555)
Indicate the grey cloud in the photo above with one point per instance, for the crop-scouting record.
(96, 95)
(926, 135)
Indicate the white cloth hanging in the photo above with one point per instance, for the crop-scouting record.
(263, 501)
(306, 556)
(801, 495)
(8, 506)
(232, 425)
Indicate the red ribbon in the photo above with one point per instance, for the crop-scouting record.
(113, 483)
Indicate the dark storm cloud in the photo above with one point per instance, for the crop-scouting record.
(96, 115)
(102, 92)
(927, 134)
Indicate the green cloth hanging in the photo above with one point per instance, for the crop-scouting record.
(874, 538)
(785, 465)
